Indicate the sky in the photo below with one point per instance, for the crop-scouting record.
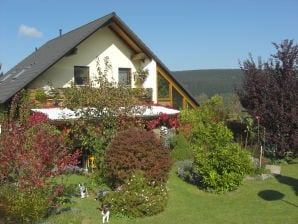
(183, 34)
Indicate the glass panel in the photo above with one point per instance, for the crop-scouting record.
(163, 87)
(124, 77)
(177, 100)
(81, 75)
(188, 106)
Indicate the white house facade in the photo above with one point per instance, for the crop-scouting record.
(75, 57)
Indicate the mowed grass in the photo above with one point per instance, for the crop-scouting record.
(270, 201)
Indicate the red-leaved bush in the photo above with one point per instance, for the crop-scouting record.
(31, 153)
(165, 120)
(136, 149)
(36, 118)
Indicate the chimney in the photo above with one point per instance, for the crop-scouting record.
(60, 32)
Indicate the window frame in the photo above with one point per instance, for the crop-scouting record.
(85, 80)
(128, 78)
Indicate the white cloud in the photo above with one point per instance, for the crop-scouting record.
(29, 31)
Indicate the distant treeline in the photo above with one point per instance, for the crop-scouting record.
(210, 81)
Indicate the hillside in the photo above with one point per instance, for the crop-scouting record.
(209, 81)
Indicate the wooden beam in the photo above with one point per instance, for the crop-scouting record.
(139, 56)
(114, 27)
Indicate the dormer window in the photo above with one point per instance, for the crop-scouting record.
(81, 75)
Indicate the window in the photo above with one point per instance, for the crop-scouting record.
(163, 87)
(124, 76)
(177, 100)
(81, 75)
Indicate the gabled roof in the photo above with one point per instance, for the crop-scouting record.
(51, 52)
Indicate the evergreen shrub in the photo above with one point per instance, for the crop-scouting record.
(181, 149)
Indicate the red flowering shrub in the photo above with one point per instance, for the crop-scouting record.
(36, 118)
(165, 120)
(136, 149)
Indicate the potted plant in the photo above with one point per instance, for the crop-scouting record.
(140, 76)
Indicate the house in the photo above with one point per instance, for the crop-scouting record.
(72, 59)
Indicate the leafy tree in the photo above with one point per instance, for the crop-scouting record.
(269, 92)
(105, 107)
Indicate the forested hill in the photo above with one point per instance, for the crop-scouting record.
(210, 81)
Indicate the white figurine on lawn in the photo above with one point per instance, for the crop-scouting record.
(83, 191)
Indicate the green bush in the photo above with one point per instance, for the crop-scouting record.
(136, 149)
(138, 198)
(40, 94)
(222, 169)
(23, 206)
(219, 164)
(181, 150)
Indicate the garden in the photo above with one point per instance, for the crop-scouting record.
(189, 205)
(195, 167)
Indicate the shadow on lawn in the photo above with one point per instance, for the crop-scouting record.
(293, 182)
(273, 195)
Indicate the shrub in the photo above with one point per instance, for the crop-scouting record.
(185, 171)
(181, 149)
(138, 198)
(222, 169)
(23, 206)
(38, 152)
(219, 164)
(136, 149)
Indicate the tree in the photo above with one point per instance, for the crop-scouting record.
(106, 108)
(269, 92)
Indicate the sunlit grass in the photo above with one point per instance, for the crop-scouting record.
(188, 204)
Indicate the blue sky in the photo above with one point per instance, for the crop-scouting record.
(184, 34)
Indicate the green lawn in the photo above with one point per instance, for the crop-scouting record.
(270, 201)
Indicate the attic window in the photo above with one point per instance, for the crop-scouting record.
(81, 75)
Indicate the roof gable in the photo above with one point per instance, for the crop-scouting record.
(52, 51)
(44, 57)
